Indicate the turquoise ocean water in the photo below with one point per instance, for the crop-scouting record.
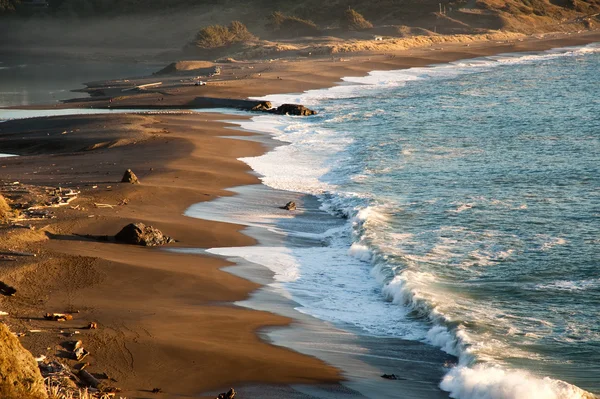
(470, 199)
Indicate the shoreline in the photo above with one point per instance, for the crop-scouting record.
(223, 191)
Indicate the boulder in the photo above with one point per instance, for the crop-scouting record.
(290, 206)
(19, 372)
(227, 395)
(263, 106)
(130, 177)
(140, 234)
(293, 109)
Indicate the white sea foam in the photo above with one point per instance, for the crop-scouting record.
(382, 80)
(485, 382)
(324, 280)
(570, 285)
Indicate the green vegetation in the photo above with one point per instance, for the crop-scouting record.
(216, 36)
(353, 20)
(290, 26)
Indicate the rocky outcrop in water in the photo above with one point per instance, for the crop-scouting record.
(293, 109)
(290, 206)
(140, 234)
(20, 376)
(264, 106)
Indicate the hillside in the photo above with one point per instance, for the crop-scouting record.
(158, 26)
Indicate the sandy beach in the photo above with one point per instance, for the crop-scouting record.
(166, 319)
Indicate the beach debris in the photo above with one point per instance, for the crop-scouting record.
(58, 316)
(89, 379)
(156, 390)
(293, 109)
(130, 177)
(92, 325)
(3, 313)
(97, 205)
(80, 352)
(6, 289)
(227, 395)
(290, 206)
(40, 358)
(74, 345)
(17, 253)
(140, 234)
(263, 106)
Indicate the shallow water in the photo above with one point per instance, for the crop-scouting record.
(468, 200)
(43, 80)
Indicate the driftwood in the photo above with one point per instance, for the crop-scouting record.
(58, 316)
(89, 379)
(103, 205)
(93, 382)
(80, 352)
(16, 253)
(75, 345)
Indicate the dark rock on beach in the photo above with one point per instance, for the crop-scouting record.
(227, 395)
(140, 234)
(130, 177)
(290, 206)
(293, 109)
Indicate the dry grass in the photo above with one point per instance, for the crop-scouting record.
(5, 211)
(55, 391)
(416, 41)
(216, 36)
(289, 26)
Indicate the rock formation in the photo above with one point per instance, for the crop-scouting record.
(263, 106)
(130, 177)
(19, 373)
(140, 234)
(290, 206)
(293, 109)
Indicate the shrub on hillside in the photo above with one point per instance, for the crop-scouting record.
(289, 26)
(7, 6)
(353, 20)
(215, 36)
(5, 211)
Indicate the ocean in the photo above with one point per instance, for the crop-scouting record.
(459, 206)
(28, 80)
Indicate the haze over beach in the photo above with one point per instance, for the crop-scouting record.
(311, 200)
